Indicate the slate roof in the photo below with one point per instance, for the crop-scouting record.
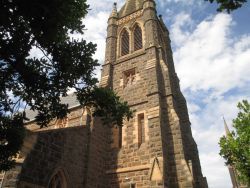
(70, 100)
(130, 7)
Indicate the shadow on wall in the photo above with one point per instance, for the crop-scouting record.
(48, 156)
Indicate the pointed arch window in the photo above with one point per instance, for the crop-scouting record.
(124, 43)
(137, 38)
(58, 180)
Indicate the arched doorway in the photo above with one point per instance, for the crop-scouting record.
(58, 180)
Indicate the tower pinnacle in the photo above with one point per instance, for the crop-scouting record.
(114, 11)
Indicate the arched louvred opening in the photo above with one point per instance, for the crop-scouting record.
(124, 43)
(137, 38)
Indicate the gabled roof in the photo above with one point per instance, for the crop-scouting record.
(71, 100)
(130, 7)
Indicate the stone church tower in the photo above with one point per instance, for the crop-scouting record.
(155, 149)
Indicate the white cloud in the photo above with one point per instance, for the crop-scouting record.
(97, 5)
(183, 2)
(207, 121)
(208, 57)
(216, 175)
(96, 31)
(213, 67)
(207, 128)
(179, 35)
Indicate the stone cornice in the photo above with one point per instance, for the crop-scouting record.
(130, 17)
(129, 169)
(130, 56)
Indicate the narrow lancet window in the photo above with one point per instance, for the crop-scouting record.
(137, 38)
(141, 129)
(124, 43)
(117, 137)
(120, 137)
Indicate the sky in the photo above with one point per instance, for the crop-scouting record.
(212, 58)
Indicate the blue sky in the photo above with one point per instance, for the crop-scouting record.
(212, 59)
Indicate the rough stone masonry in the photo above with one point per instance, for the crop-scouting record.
(155, 149)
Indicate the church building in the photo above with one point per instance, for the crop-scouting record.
(155, 149)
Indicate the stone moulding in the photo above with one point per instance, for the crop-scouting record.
(156, 170)
(104, 81)
(130, 17)
(130, 56)
(150, 64)
(129, 169)
(164, 66)
(23, 184)
(153, 112)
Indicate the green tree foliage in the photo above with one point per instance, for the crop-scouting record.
(235, 147)
(228, 5)
(38, 83)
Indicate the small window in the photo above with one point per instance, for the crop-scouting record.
(141, 129)
(129, 77)
(117, 137)
(124, 43)
(137, 38)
